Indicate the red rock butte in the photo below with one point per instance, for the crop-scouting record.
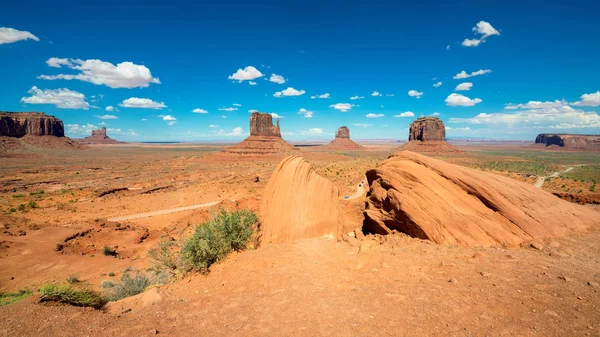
(99, 137)
(428, 134)
(20, 124)
(265, 138)
(569, 141)
(342, 141)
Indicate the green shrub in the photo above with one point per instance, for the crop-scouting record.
(9, 298)
(21, 207)
(32, 204)
(105, 284)
(132, 284)
(18, 196)
(107, 251)
(36, 193)
(12, 210)
(68, 295)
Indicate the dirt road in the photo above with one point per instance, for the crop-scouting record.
(541, 180)
(360, 191)
(162, 212)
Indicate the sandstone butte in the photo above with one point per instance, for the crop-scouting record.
(20, 124)
(570, 141)
(298, 204)
(428, 134)
(342, 141)
(265, 138)
(99, 137)
(449, 204)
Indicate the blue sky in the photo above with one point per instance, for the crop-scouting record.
(535, 64)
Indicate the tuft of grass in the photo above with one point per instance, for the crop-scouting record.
(69, 295)
(105, 284)
(36, 193)
(32, 204)
(21, 207)
(72, 279)
(18, 196)
(9, 298)
(131, 284)
(107, 251)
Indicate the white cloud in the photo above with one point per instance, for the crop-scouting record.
(123, 75)
(464, 74)
(144, 119)
(143, 103)
(448, 128)
(109, 108)
(171, 123)
(236, 131)
(537, 105)
(466, 86)
(236, 104)
(212, 126)
(313, 132)
(167, 118)
(372, 115)
(375, 93)
(306, 113)
(223, 116)
(460, 100)
(276, 115)
(343, 107)
(247, 74)
(199, 111)
(414, 93)
(362, 125)
(107, 117)
(438, 84)
(252, 83)
(10, 35)
(277, 79)
(435, 114)
(230, 109)
(592, 99)
(78, 130)
(356, 97)
(406, 114)
(289, 92)
(483, 28)
(61, 98)
(325, 95)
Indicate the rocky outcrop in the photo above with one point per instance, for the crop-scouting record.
(449, 204)
(342, 141)
(298, 204)
(570, 141)
(427, 129)
(99, 137)
(19, 124)
(265, 138)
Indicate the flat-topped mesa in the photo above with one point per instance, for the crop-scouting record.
(99, 133)
(99, 137)
(570, 141)
(427, 129)
(261, 124)
(343, 132)
(342, 141)
(20, 124)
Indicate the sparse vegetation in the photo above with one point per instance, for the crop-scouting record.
(72, 279)
(32, 204)
(21, 207)
(72, 296)
(18, 196)
(9, 298)
(36, 193)
(107, 251)
(132, 283)
(105, 284)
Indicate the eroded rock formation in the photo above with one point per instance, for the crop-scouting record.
(342, 141)
(99, 137)
(428, 134)
(19, 124)
(570, 141)
(449, 204)
(265, 138)
(298, 204)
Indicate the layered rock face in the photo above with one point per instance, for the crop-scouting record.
(449, 204)
(19, 124)
(265, 138)
(298, 204)
(428, 134)
(342, 141)
(581, 142)
(99, 137)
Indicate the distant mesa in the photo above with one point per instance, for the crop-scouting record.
(99, 137)
(298, 204)
(450, 204)
(428, 134)
(342, 141)
(265, 138)
(569, 141)
(20, 124)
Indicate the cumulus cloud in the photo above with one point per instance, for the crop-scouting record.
(110, 108)
(484, 30)
(79, 129)
(142, 103)
(167, 117)
(414, 93)
(230, 109)
(463, 74)
(460, 100)
(537, 105)
(435, 114)
(236, 131)
(275, 115)
(306, 113)
(11, 35)
(289, 92)
(356, 97)
(372, 115)
(343, 107)
(107, 117)
(199, 111)
(313, 132)
(438, 84)
(592, 99)
(325, 95)
(123, 75)
(375, 93)
(277, 79)
(362, 125)
(252, 83)
(406, 114)
(61, 98)
(466, 86)
(236, 104)
(247, 74)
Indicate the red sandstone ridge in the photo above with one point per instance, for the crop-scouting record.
(342, 141)
(428, 134)
(265, 138)
(450, 204)
(19, 124)
(99, 137)
(298, 204)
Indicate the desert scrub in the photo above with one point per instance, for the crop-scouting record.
(107, 251)
(72, 279)
(9, 298)
(212, 240)
(72, 296)
(132, 283)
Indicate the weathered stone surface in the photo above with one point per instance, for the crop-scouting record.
(582, 142)
(99, 137)
(19, 124)
(343, 132)
(427, 129)
(261, 124)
